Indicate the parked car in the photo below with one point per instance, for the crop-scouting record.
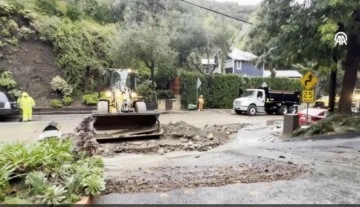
(8, 105)
(314, 115)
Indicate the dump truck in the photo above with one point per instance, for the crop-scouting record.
(264, 100)
(121, 113)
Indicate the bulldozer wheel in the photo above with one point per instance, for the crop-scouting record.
(103, 107)
(140, 107)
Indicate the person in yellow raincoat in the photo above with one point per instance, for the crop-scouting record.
(26, 104)
(201, 103)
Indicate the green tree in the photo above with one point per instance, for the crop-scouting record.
(143, 44)
(289, 32)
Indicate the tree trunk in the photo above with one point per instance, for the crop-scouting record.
(332, 90)
(351, 68)
(152, 68)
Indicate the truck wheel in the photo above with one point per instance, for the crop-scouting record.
(140, 107)
(283, 110)
(102, 107)
(292, 110)
(251, 110)
(238, 112)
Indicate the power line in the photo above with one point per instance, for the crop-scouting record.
(217, 12)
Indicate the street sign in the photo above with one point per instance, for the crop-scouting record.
(198, 83)
(308, 96)
(308, 81)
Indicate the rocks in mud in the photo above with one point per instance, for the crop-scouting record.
(180, 136)
(184, 140)
(196, 138)
(161, 151)
(118, 149)
(210, 136)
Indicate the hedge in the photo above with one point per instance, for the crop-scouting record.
(220, 91)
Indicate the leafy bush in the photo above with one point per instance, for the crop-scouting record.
(146, 90)
(336, 123)
(84, 51)
(48, 7)
(221, 90)
(56, 103)
(67, 100)
(16, 93)
(7, 81)
(90, 99)
(58, 84)
(48, 172)
(165, 94)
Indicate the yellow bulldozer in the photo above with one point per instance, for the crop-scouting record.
(121, 113)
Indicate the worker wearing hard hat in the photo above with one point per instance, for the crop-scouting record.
(26, 104)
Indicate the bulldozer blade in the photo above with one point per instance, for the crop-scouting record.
(126, 125)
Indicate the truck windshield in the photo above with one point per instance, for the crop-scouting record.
(248, 94)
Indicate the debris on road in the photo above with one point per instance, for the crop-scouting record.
(163, 179)
(178, 136)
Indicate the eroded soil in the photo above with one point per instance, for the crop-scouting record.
(162, 179)
(178, 136)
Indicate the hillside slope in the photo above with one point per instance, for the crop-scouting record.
(33, 66)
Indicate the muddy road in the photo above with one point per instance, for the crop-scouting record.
(310, 172)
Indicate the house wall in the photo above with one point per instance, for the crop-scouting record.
(248, 69)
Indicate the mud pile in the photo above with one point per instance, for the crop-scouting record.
(178, 136)
(162, 179)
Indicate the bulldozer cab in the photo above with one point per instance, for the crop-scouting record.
(123, 79)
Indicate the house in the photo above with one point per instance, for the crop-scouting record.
(241, 62)
(209, 65)
(283, 74)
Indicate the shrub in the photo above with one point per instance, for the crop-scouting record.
(146, 90)
(67, 100)
(5, 33)
(58, 84)
(25, 32)
(90, 99)
(7, 81)
(16, 93)
(48, 172)
(56, 103)
(165, 94)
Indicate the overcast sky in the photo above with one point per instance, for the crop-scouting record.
(242, 2)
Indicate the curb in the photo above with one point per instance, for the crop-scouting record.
(52, 111)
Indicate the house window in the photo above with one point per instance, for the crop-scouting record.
(228, 70)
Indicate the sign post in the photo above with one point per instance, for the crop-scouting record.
(308, 81)
(198, 84)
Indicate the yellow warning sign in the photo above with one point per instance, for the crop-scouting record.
(308, 81)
